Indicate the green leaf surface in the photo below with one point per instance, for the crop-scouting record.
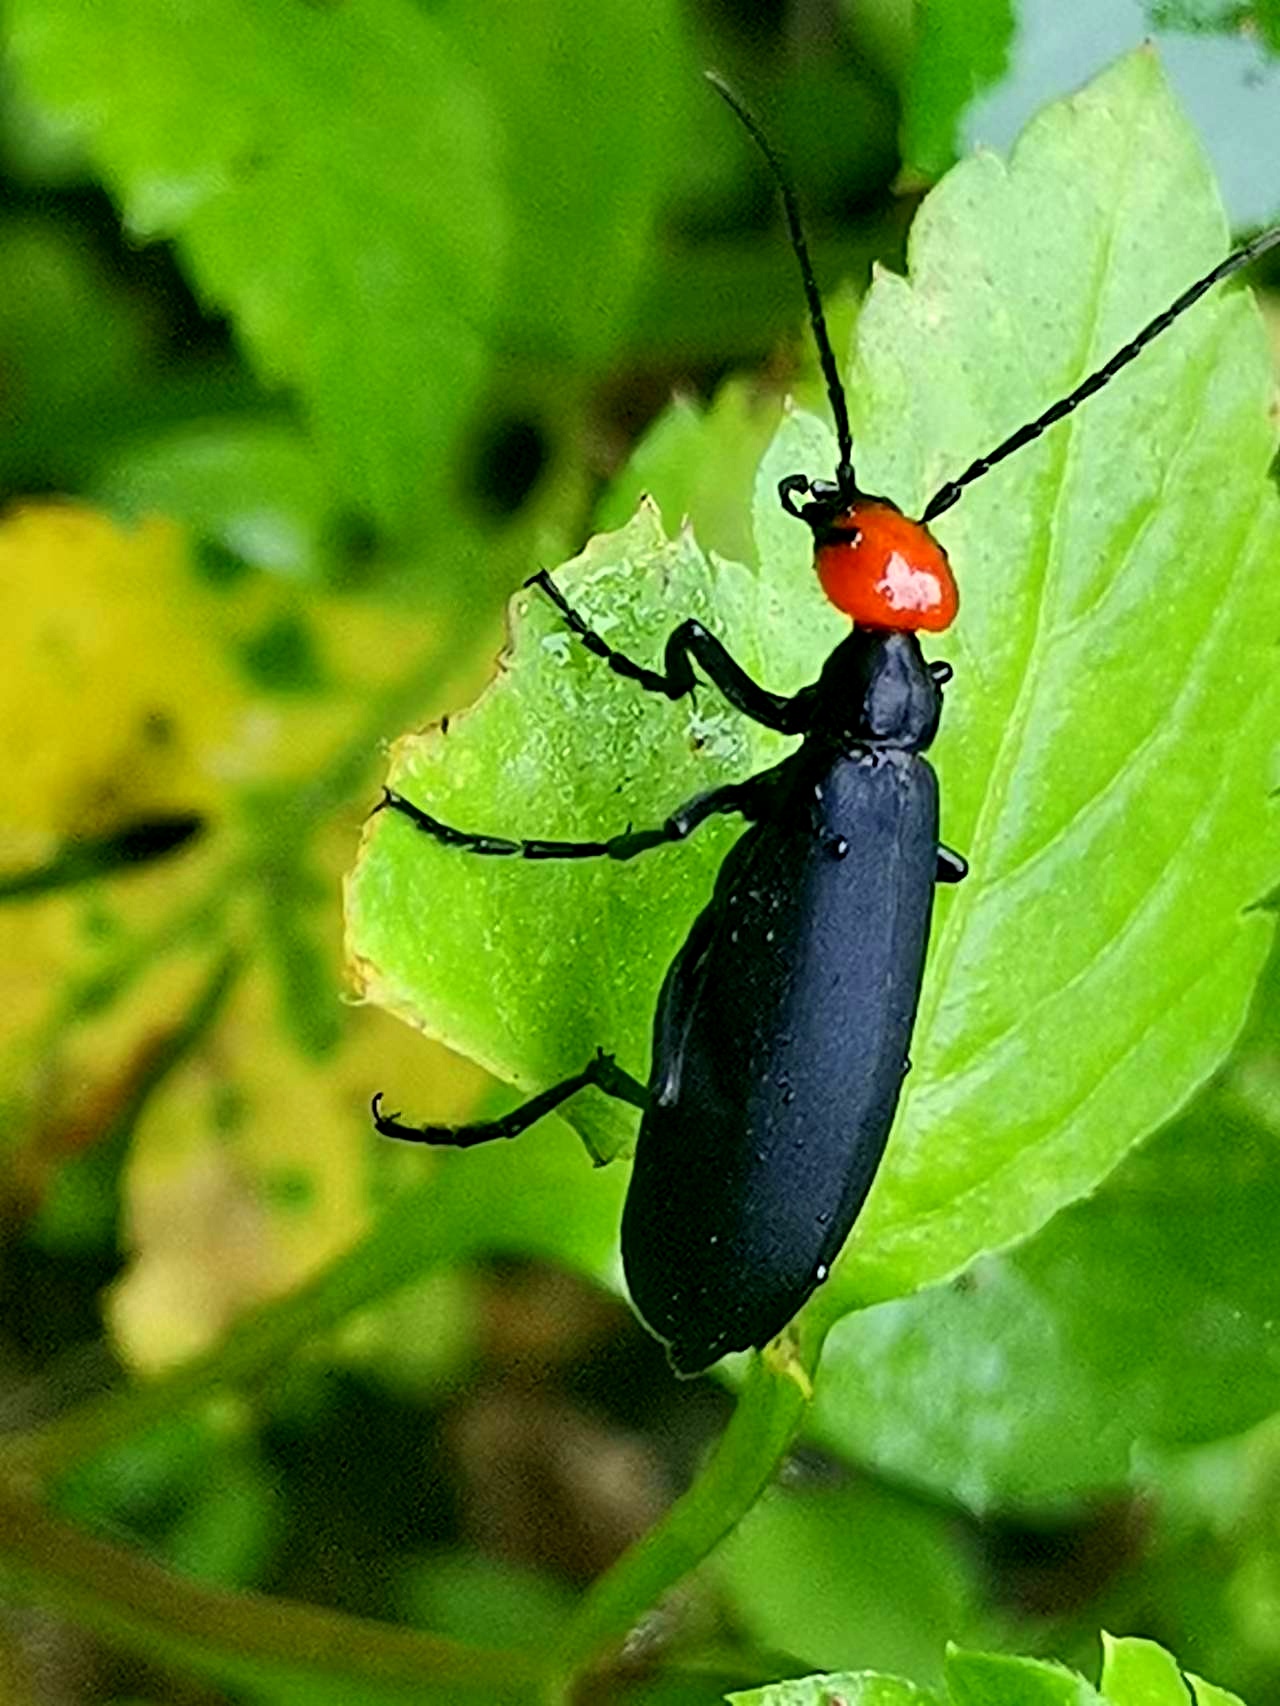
(961, 47)
(1135, 1673)
(269, 141)
(1220, 58)
(1109, 737)
(976, 70)
(1144, 1316)
(250, 487)
(595, 120)
(845, 1573)
(574, 958)
(1207, 1694)
(999, 1679)
(700, 465)
(840, 1688)
(1140, 1673)
(1106, 742)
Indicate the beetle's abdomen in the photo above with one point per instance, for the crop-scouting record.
(780, 1044)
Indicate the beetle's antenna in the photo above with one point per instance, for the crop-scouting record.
(946, 495)
(835, 390)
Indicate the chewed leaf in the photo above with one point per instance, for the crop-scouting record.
(1106, 742)
(530, 967)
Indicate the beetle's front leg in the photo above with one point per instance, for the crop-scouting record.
(688, 644)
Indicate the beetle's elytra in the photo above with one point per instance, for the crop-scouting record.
(782, 1030)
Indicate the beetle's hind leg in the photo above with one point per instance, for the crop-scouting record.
(733, 797)
(603, 1072)
(688, 644)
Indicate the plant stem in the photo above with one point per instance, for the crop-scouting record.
(142, 1606)
(770, 1408)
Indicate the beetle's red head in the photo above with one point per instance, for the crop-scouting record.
(875, 564)
(885, 570)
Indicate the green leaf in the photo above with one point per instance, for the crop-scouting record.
(700, 464)
(1106, 744)
(1108, 741)
(997, 1679)
(1207, 1694)
(559, 747)
(1144, 1316)
(841, 1688)
(595, 128)
(1135, 1673)
(895, 1579)
(249, 487)
(329, 173)
(974, 71)
(961, 47)
(1139, 1673)
(1229, 83)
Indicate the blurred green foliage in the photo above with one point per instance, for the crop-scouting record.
(321, 325)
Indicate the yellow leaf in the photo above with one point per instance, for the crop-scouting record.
(250, 1171)
(113, 705)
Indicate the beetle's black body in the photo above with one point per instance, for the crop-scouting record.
(782, 1030)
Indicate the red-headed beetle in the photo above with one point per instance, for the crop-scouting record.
(782, 1029)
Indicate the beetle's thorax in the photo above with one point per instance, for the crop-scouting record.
(876, 690)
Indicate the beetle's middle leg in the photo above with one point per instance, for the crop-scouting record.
(733, 797)
(603, 1071)
(686, 645)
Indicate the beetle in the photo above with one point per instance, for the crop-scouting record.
(782, 1029)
